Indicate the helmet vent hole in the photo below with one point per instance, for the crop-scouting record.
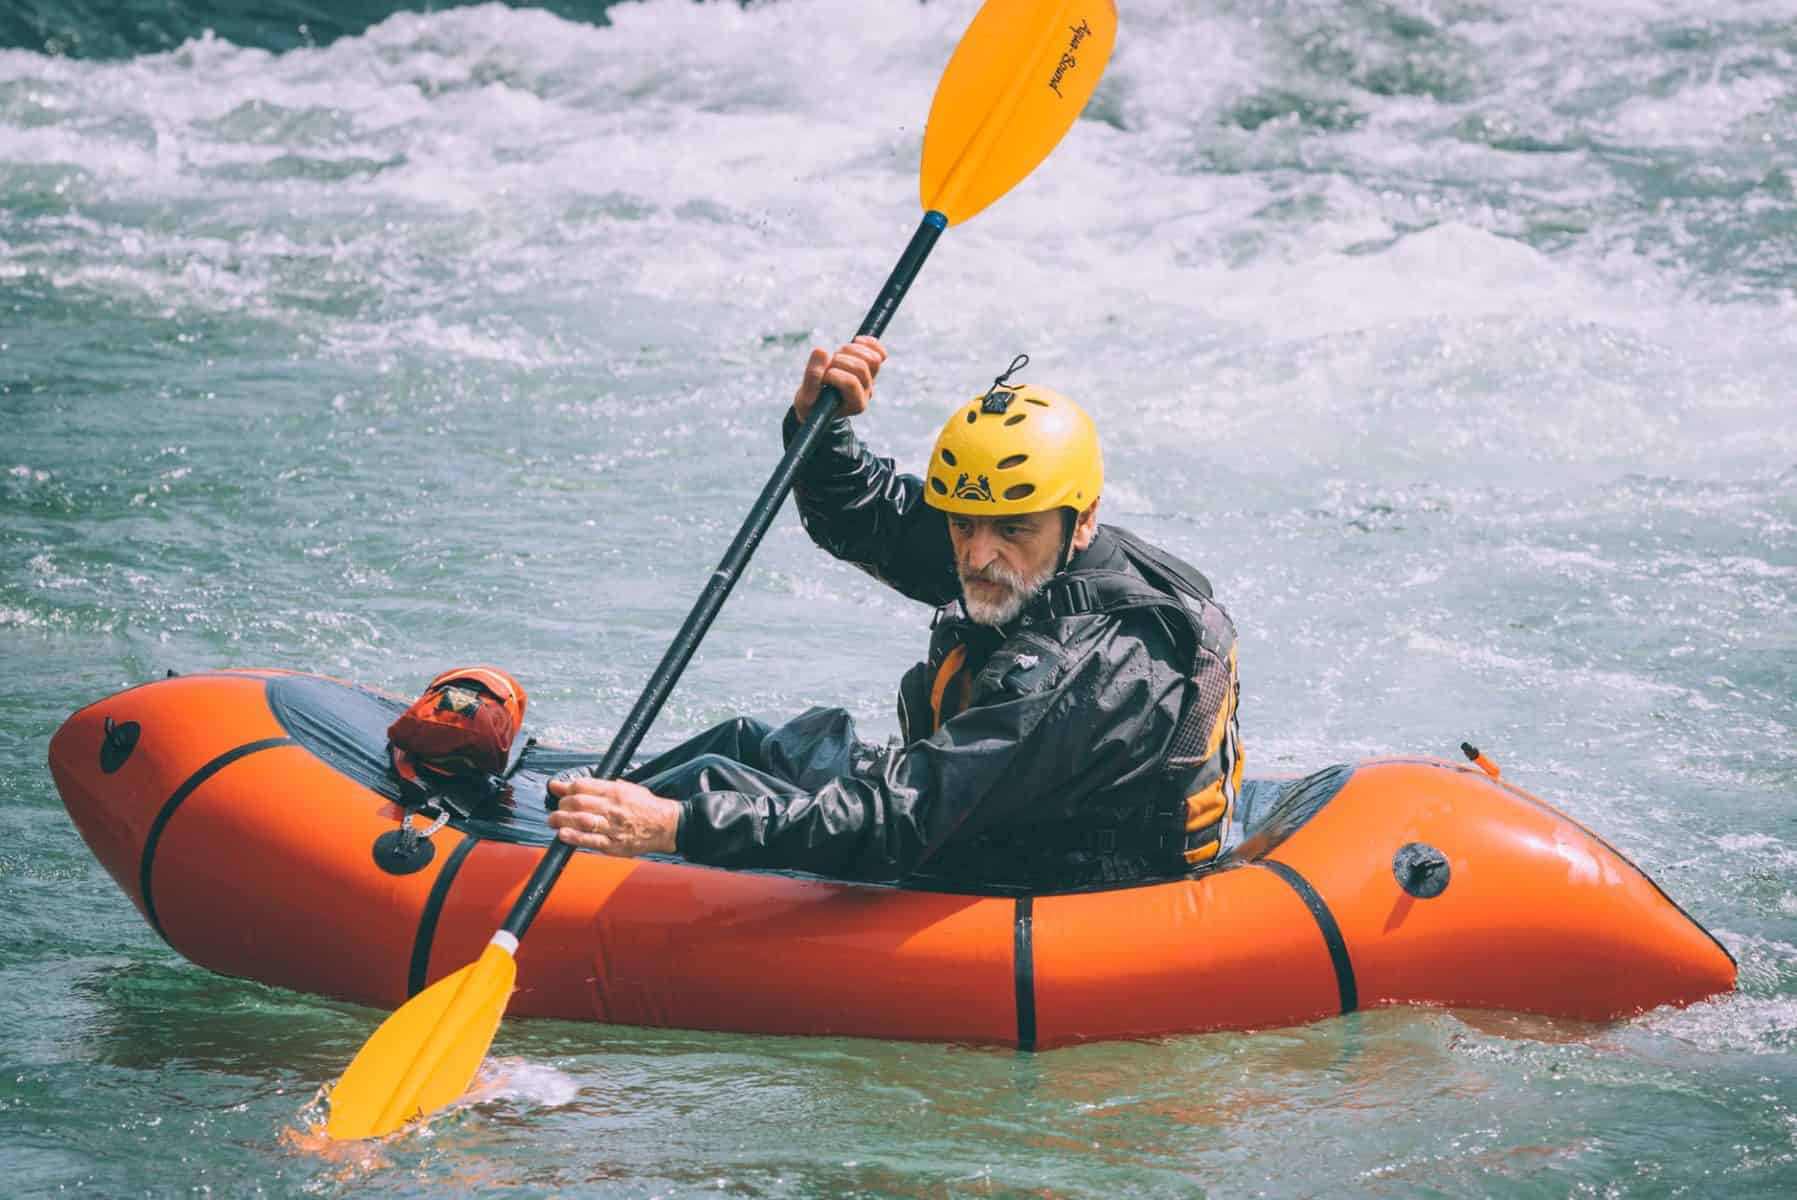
(940, 488)
(1036, 402)
(1016, 460)
(947, 457)
(1015, 419)
(1018, 491)
(973, 416)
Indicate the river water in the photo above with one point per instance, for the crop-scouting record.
(1454, 340)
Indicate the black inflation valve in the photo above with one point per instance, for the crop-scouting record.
(402, 852)
(1421, 870)
(119, 742)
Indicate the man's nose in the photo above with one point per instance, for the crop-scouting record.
(981, 548)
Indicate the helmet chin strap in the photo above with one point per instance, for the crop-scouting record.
(1069, 523)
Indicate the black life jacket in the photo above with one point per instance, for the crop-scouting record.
(1174, 822)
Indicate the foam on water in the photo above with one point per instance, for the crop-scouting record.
(672, 121)
(522, 1082)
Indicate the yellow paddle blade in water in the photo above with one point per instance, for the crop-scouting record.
(1019, 78)
(425, 1054)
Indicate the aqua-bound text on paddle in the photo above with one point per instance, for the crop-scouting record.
(1068, 62)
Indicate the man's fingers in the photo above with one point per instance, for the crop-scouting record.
(853, 392)
(583, 827)
(811, 382)
(864, 362)
(586, 841)
(588, 787)
(850, 372)
(864, 368)
(873, 355)
(585, 804)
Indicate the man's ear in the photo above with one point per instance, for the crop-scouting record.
(1086, 527)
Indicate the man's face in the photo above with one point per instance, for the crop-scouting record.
(1003, 561)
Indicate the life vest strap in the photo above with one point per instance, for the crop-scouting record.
(954, 665)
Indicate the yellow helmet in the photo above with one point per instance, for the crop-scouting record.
(1017, 448)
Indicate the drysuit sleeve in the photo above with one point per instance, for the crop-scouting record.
(1049, 727)
(862, 510)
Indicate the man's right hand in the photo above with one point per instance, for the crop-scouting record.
(851, 372)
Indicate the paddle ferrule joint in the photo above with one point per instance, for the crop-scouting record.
(504, 941)
(899, 282)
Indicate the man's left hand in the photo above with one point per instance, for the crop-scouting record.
(613, 817)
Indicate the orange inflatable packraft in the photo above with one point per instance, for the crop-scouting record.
(251, 816)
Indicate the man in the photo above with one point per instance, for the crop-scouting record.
(1074, 724)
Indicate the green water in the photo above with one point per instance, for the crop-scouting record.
(1454, 341)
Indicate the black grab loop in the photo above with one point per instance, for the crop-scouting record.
(998, 397)
(1421, 870)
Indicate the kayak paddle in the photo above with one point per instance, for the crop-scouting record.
(1019, 77)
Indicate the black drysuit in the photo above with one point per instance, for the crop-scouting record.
(1053, 771)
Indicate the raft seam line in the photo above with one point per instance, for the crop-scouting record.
(1023, 961)
(1345, 984)
(426, 938)
(176, 799)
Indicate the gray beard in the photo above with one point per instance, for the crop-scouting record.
(1019, 591)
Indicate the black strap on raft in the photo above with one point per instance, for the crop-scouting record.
(423, 790)
(439, 795)
(459, 791)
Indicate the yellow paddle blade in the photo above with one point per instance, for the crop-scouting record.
(1019, 78)
(425, 1054)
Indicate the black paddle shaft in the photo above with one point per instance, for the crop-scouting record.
(729, 570)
